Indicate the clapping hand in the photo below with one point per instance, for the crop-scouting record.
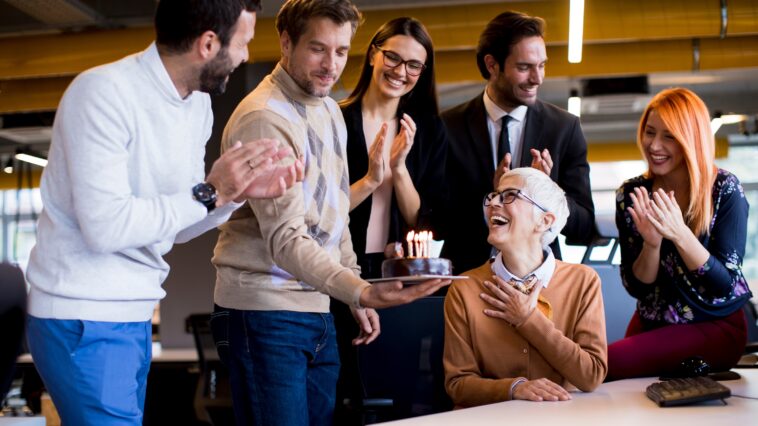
(375, 174)
(244, 170)
(277, 179)
(502, 168)
(641, 212)
(667, 217)
(402, 143)
(509, 304)
(542, 160)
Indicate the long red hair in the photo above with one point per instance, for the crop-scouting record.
(687, 119)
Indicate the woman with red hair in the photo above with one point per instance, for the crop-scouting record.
(682, 229)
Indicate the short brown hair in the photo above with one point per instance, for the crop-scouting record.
(295, 14)
(501, 33)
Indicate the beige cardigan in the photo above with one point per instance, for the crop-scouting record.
(292, 252)
(483, 355)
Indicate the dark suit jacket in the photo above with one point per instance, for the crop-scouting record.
(426, 166)
(470, 173)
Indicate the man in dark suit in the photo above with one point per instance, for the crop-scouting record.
(511, 55)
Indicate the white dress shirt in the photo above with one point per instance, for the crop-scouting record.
(495, 115)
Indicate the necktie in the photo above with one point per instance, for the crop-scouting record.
(504, 141)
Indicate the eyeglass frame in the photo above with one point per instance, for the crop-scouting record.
(517, 193)
(401, 61)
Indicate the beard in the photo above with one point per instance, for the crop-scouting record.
(506, 93)
(215, 74)
(309, 87)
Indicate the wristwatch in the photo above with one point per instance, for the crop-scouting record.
(205, 193)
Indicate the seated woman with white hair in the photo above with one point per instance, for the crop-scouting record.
(524, 325)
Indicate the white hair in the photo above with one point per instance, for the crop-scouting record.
(539, 187)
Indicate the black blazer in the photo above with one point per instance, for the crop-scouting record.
(426, 166)
(470, 173)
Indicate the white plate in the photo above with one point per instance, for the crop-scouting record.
(415, 279)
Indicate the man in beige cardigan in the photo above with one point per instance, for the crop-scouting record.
(279, 260)
(524, 326)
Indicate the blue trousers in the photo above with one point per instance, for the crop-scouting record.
(283, 365)
(95, 372)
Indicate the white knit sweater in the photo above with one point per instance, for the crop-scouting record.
(126, 151)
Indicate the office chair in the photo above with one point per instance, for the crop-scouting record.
(213, 397)
(402, 370)
(619, 306)
(751, 316)
(12, 321)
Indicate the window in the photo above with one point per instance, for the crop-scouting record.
(18, 224)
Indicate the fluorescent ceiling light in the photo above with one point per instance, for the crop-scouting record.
(716, 124)
(575, 105)
(33, 159)
(576, 28)
(722, 119)
(8, 166)
(732, 118)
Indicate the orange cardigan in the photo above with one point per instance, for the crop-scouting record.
(483, 355)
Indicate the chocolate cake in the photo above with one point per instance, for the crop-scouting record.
(403, 267)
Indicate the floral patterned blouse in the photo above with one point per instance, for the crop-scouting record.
(678, 296)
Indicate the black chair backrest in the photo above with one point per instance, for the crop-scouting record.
(12, 321)
(619, 305)
(751, 316)
(405, 363)
(199, 325)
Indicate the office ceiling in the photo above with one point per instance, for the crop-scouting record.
(45, 43)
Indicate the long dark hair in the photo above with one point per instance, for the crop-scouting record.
(423, 96)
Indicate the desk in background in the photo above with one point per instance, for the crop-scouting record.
(22, 421)
(618, 403)
(179, 355)
(170, 385)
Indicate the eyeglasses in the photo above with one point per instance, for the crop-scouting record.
(393, 60)
(508, 196)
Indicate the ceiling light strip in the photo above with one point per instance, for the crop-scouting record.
(576, 29)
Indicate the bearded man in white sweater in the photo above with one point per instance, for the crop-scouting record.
(125, 181)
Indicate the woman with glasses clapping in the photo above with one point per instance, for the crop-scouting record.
(396, 142)
(396, 145)
(524, 325)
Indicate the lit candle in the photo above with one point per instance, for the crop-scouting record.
(417, 243)
(424, 243)
(409, 238)
(431, 238)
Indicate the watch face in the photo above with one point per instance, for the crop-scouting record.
(205, 193)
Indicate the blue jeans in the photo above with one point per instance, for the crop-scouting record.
(95, 372)
(283, 365)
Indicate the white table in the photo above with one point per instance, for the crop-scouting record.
(617, 404)
(22, 421)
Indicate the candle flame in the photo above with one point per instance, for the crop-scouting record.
(419, 243)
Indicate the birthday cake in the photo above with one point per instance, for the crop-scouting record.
(416, 266)
(419, 260)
